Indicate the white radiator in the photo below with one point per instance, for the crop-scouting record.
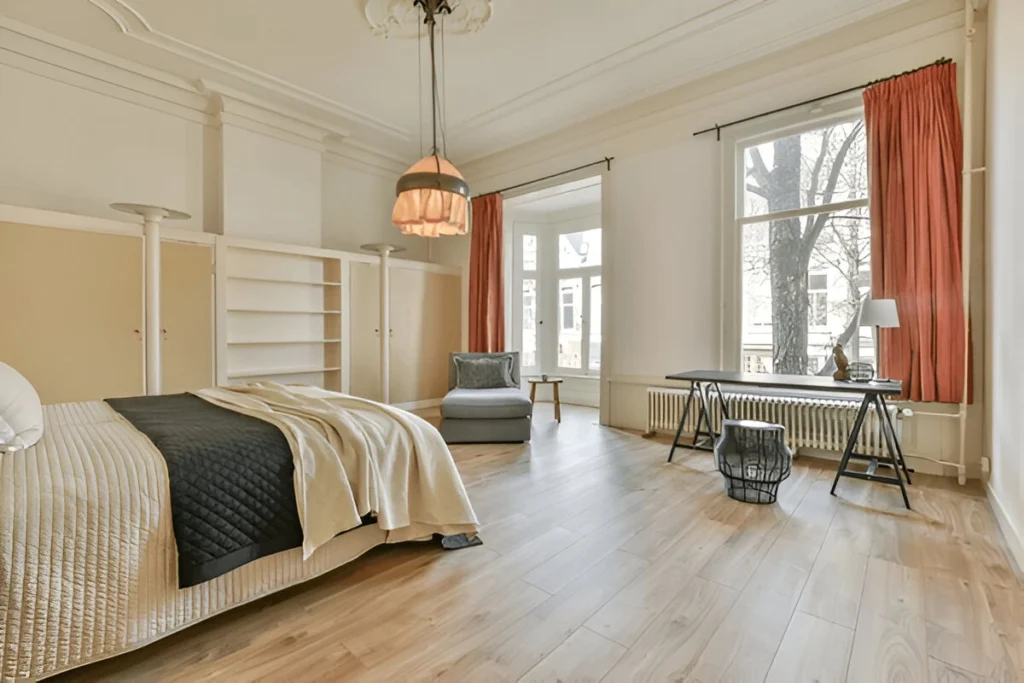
(822, 424)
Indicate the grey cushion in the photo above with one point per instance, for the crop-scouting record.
(486, 404)
(484, 373)
(453, 374)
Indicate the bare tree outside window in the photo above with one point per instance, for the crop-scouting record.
(804, 271)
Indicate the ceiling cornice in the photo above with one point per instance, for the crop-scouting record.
(131, 23)
(721, 14)
(606, 133)
(206, 102)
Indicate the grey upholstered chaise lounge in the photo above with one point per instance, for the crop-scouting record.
(496, 415)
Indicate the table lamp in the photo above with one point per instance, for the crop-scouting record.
(876, 313)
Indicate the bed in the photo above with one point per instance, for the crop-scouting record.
(90, 566)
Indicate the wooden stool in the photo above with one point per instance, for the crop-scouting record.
(554, 382)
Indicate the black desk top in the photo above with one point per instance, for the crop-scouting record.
(804, 382)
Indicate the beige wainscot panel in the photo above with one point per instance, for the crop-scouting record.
(364, 316)
(427, 324)
(186, 314)
(71, 311)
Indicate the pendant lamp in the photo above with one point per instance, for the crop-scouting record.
(433, 197)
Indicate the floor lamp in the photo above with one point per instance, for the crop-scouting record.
(385, 251)
(151, 217)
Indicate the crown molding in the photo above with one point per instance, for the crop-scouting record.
(34, 51)
(716, 18)
(131, 23)
(622, 131)
(235, 107)
(355, 154)
(204, 101)
(721, 14)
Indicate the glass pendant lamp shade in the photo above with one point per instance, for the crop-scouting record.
(433, 199)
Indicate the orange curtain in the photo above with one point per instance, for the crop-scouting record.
(486, 276)
(915, 160)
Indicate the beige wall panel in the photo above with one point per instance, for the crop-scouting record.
(364, 314)
(186, 303)
(71, 311)
(426, 318)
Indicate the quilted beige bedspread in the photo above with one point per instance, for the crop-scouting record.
(88, 564)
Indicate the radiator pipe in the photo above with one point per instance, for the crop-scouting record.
(970, 8)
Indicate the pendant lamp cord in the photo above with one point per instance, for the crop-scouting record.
(433, 81)
(444, 86)
(419, 75)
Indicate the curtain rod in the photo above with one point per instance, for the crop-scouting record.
(607, 161)
(718, 129)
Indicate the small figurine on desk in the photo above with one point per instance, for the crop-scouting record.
(842, 373)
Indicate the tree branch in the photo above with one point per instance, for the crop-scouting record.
(811, 235)
(759, 170)
(757, 190)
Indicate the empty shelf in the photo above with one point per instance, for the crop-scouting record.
(276, 372)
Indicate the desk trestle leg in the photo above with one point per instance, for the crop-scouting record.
(895, 461)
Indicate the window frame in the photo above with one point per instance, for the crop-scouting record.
(734, 143)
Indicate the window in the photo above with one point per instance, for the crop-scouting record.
(529, 347)
(570, 328)
(529, 252)
(806, 237)
(817, 292)
(579, 249)
(557, 278)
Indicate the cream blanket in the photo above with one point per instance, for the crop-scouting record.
(353, 457)
(88, 562)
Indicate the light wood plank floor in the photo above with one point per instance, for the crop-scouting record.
(603, 563)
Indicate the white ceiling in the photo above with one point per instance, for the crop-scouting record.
(537, 67)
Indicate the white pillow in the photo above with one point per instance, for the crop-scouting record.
(20, 409)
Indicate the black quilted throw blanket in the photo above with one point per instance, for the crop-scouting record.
(232, 495)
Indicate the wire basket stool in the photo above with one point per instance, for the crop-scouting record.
(754, 459)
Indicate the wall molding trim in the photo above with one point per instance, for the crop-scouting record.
(131, 23)
(203, 101)
(613, 132)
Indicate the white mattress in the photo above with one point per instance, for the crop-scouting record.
(88, 565)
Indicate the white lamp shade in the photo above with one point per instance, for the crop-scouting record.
(879, 313)
(431, 212)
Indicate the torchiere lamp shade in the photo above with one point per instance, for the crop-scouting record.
(433, 199)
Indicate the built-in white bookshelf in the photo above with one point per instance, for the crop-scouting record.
(282, 309)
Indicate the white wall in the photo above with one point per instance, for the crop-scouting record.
(357, 204)
(80, 129)
(1005, 277)
(663, 270)
(271, 188)
(66, 148)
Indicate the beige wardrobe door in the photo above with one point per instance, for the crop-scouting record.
(364, 316)
(71, 311)
(426, 318)
(186, 315)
